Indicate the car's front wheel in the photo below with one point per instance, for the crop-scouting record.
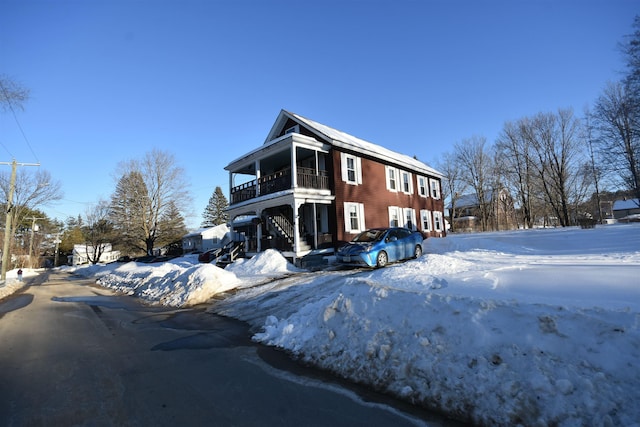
(417, 253)
(382, 259)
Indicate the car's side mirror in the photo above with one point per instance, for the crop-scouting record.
(392, 239)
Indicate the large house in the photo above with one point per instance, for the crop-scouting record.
(310, 186)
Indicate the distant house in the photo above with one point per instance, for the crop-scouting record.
(82, 252)
(310, 186)
(204, 239)
(499, 209)
(625, 209)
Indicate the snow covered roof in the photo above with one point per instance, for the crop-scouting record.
(209, 233)
(349, 142)
(622, 205)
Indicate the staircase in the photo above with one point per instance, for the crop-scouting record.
(283, 229)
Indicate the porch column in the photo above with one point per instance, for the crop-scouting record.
(294, 167)
(257, 166)
(315, 226)
(259, 231)
(296, 226)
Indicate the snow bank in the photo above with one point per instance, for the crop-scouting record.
(13, 284)
(181, 282)
(536, 327)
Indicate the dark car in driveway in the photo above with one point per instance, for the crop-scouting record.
(379, 246)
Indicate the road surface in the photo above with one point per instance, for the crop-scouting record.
(73, 353)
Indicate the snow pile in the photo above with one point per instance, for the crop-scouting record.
(177, 283)
(536, 327)
(269, 263)
(13, 284)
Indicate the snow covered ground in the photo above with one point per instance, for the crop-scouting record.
(531, 327)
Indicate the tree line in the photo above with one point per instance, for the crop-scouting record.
(555, 165)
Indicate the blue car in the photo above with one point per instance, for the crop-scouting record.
(379, 246)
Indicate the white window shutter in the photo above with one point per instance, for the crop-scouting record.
(343, 166)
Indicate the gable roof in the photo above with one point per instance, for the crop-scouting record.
(620, 205)
(345, 141)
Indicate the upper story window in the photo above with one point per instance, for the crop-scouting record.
(392, 178)
(407, 184)
(351, 169)
(422, 186)
(435, 188)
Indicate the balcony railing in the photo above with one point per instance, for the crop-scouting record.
(279, 181)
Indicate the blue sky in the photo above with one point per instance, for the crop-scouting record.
(205, 80)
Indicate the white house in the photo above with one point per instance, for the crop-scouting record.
(81, 253)
(204, 239)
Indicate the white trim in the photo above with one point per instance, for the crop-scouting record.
(434, 188)
(424, 189)
(408, 182)
(394, 213)
(357, 168)
(390, 172)
(425, 215)
(438, 223)
(358, 209)
(410, 215)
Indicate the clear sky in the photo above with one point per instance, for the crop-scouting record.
(206, 79)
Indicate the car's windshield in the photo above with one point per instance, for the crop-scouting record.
(369, 236)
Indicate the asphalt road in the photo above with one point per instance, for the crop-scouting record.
(72, 353)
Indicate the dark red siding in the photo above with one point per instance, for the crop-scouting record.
(375, 197)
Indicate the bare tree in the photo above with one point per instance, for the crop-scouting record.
(163, 183)
(453, 185)
(476, 165)
(514, 154)
(557, 145)
(98, 231)
(12, 94)
(616, 117)
(32, 190)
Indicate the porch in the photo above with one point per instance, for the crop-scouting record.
(291, 162)
(294, 229)
(280, 181)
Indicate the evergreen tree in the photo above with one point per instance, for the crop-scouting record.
(215, 212)
(127, 210)
(172, 229)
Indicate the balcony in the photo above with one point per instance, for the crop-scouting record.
(280, 181)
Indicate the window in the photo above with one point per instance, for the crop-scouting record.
(422, 186)
(437, 221)
(407, 185)
(425, 217)
(410, 218)
(292, 129)
(392, 174)
(354, 217)
(394, 216)
(435, 188)
(351, 169)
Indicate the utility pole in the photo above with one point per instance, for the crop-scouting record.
(8, 232)
(33, 229)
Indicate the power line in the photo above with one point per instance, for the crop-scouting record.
(15, 117)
